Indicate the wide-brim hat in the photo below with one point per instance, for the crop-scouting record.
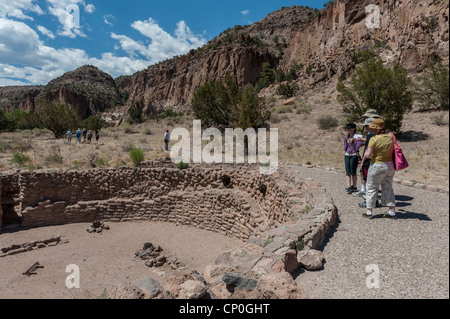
(368, 121)
(371, 113)
(378, 124)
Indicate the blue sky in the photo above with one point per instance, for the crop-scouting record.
(42, 39)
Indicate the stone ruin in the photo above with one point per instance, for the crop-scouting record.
(276, 216)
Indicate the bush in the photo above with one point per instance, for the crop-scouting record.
(54, 157)
(58, 118)
(327, 122)
(287, 90)
(433, 88)
(224, 105)
(94, 123)
(439, 120)
(181, 165)
(374, 86)
(20, 159)
(128, 146)
(137, 155)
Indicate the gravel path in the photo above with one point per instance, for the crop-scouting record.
(411, 253)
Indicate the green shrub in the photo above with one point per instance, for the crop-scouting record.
(287, 90)
(181, 165)
(54, 157)
(432, 91)
(374, 86)
(128, 146)
(327, 122)
(137, 155)
(20, 159)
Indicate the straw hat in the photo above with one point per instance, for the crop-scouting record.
(378, 124)
(372, 114)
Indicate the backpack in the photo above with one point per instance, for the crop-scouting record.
(400, 161)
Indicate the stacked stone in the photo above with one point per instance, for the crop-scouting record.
(152, 255)
(28, 246)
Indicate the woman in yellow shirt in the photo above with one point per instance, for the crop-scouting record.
(382, 170)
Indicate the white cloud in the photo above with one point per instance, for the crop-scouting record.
(17, 8)
(163, 45)
(109, 19)
(45, 31)
(245, 12)
(10, 82)
(69, 13)
(23, 56)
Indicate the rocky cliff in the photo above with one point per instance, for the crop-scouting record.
(409, 32)
(88, 89)
(322, 44)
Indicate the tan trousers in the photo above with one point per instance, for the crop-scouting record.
(380, 175)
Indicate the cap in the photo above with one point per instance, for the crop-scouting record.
(368, 121)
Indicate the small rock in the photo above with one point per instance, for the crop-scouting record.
(311, 259)
(91, 230)
(192, 289)
(150, 287)
(126, 292)
(96, 224)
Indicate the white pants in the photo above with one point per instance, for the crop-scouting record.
(380, 175)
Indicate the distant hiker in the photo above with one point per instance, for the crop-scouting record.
(97, 136)
(166, 141)
(78, 136)
(69, 136)
(84, 135)
(89, 136)
(381, 171)
(351, 148)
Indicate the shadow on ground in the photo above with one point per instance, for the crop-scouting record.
(413, 136)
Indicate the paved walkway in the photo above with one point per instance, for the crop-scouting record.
(411, 253)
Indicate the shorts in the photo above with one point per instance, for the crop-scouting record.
(351, 165)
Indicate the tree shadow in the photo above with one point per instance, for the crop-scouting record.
(413, 136)
(403, 198)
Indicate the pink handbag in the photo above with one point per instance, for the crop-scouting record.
(400, 161)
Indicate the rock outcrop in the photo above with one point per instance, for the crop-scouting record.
(88, 89)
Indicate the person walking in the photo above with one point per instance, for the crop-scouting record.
(89, 137)
(84, 135)
(78, 136)
(69, 136)
(97, 136)
(351, 148)
(166, 141)
(382, 170)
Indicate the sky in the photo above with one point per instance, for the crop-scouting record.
(42, 39)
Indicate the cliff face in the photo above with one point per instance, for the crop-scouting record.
(323, 42)
(410, 32)
(87, 89)
(239, 51)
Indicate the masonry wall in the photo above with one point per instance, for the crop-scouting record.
(158, 192)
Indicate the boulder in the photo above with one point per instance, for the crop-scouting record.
(310, 259)
(124, 291)
(278, 286)
(192, 289)
(150, 287)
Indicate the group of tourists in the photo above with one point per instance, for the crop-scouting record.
(377, 164)
(84, 134)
